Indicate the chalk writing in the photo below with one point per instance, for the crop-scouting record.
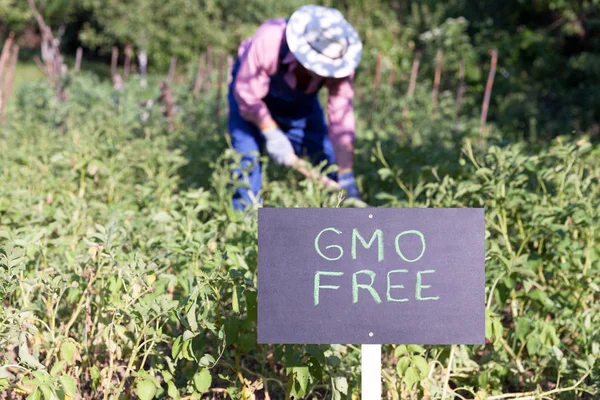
(356, 286)
(378, 235)
(421, 286)
(318, 283)
(390, 286)
(330, 246)
(422, 243)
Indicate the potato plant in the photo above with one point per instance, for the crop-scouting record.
(125, 273)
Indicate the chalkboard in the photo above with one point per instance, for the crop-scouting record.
(371, 276)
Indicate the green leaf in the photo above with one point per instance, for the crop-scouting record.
(68, 385)
(581, 364)
(400, 350)
(187, 351)
(548, 336)
(41, 376)
(340, 387)
(251, 304)
(542, 297)
(35, 395)
(176, 349)
(206, 360)
(334, 361)
(415, 348)
(56, 368)
(526, 272)
(191, 318)
(231, 330)
(558, 353)
(187, 335)
(412, 377)
(234, 300)
(509, 282)
(202, 380)
(483, 379)
(247, 342)
(167, 376)
(533, 344)
(591, 359)
(384, 173)
(403, 364)
(95, 373)
(490, 318)
(68, 351)
(498, 328)
(315, 369)
(146, 390)
(300, 376)
(172, 391)
(48, 392)
(422, 364)
(27, 358)
(318, 352)
(522, 328)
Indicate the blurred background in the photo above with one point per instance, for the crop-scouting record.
(548, 50)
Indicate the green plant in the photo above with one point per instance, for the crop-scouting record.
(124, 270)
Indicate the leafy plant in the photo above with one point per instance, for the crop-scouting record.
(124, 270)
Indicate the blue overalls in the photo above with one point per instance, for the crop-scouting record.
(299, 115)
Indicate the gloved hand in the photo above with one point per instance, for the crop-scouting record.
(348, 183)
(279, 147)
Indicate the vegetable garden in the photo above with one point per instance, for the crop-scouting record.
(125, 272)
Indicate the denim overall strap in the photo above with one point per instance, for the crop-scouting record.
(289, 107)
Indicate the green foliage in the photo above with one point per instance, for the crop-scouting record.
(124, 269)
(546, 83)
(16, 15)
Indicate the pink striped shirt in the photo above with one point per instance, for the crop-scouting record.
(259, 58)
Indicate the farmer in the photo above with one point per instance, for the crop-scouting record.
(273, 96)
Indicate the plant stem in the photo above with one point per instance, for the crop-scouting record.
(288, 391)
(489, 302)
(392, 382)
(134, 354)
(450, 361)
(238, 369)
(588, 252)
(513, 355)
(535, 395)
(504, 224)
(79, 306)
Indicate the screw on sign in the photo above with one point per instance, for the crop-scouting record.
(376, 276)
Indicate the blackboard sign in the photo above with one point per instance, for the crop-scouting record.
(371, 276)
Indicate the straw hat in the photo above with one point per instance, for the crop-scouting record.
(323, 41)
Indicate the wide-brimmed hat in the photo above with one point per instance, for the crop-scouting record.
(323, 41)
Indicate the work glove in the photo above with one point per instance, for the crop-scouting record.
(279, 147)
(348, 183)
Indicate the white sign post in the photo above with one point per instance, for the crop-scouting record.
(370, 360)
